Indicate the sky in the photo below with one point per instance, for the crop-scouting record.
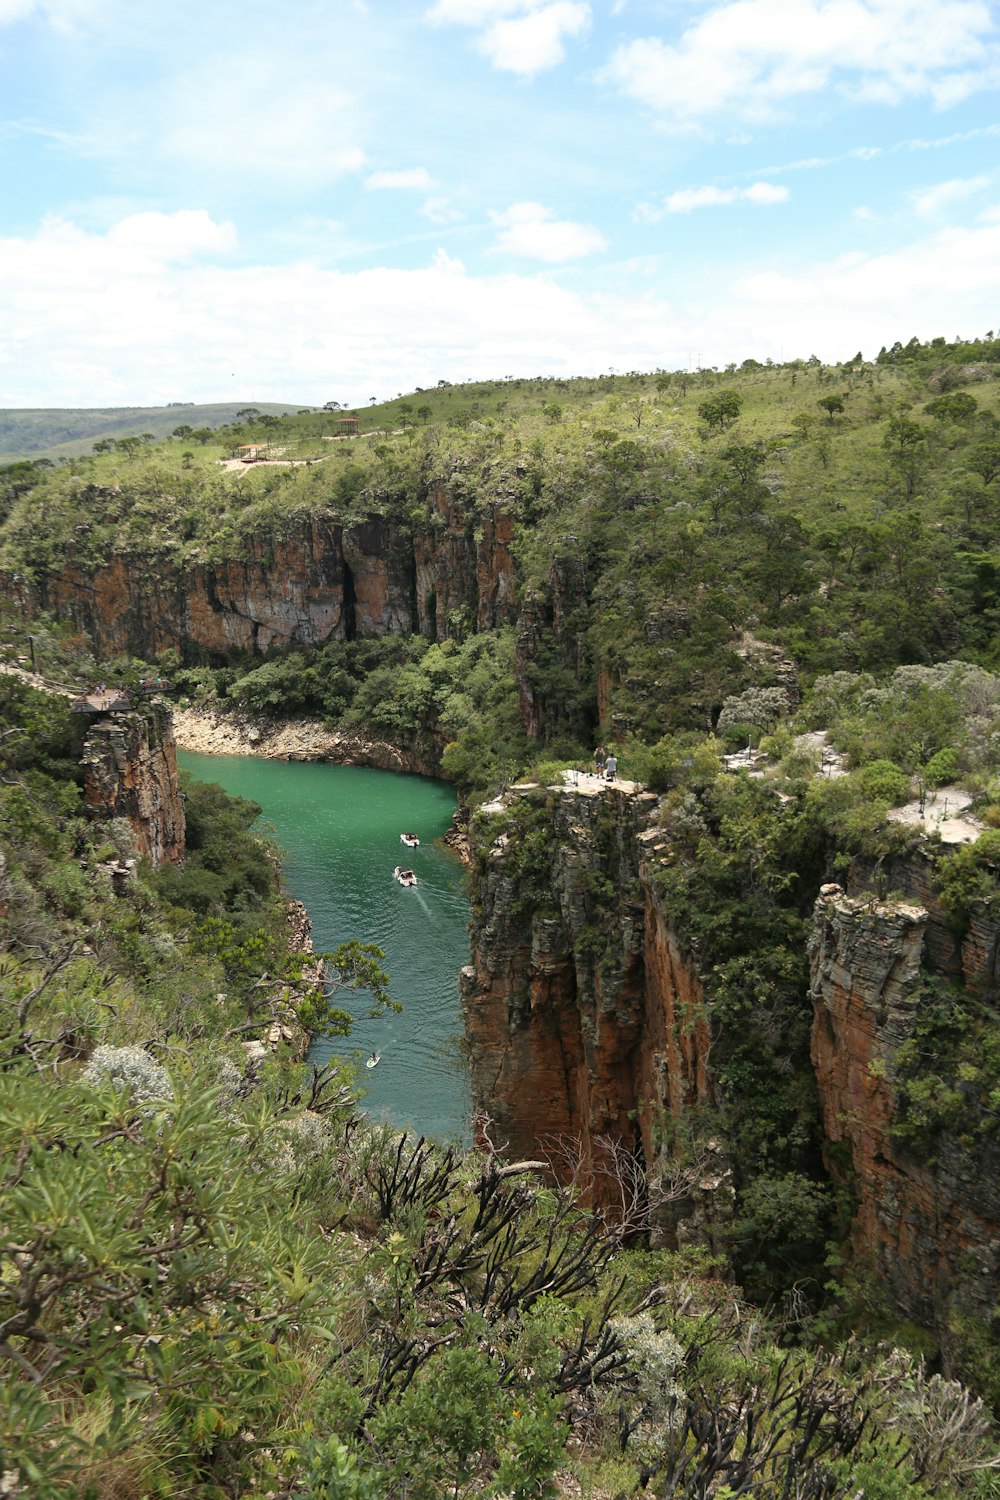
(357, 198)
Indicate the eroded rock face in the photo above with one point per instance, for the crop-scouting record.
(316, 581)
(927, 1230)
(130, 765)
(583, 1018)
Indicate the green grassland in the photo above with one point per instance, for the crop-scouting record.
(31, 433)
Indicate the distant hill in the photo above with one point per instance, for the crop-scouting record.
(63, 432)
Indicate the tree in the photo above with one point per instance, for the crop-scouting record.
(956, 406)
(905, 442)
(183, 431)
(831, 405)
(104, 445)
(721, 410)
(247, 414)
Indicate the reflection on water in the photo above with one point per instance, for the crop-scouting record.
(339, 828)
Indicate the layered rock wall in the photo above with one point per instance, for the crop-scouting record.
(316, 581)
(927, 1229)
(130, 772)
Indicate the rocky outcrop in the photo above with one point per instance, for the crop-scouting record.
(582, 1016)
(927, 1229)
(313, 581)
(968, 956)
(130, 772)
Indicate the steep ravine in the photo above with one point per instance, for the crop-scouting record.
(587, 1024)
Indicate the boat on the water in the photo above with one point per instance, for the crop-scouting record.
(410, 840)
(374, 1060)
(405, 877)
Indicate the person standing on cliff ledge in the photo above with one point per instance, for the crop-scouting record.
(598, 760)
(611, 766)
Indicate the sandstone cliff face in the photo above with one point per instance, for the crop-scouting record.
(317, 581)
(928, 1230)
(583, 1019)
(130, 766)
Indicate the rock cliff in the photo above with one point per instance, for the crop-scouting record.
(588, 1033)
(927, 1224)
(315, 580)
(582, 1016)
(130, 772)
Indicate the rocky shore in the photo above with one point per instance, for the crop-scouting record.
(211, 732)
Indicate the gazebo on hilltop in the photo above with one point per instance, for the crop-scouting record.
(253, 453)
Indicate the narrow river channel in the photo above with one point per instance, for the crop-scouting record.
(338, 828)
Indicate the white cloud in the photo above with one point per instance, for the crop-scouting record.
(166, 239)
(928, 202)
(942, 283)
(474, 12)
(685, 200)
(253, 116)
(529, 231)
(518, 36)
(408, 177)
(440, 211)
(752, 57)
(64, 15)
(137, 315)
(529, 44)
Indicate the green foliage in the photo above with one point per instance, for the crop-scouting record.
(722, 410)
(884, 782)
(947, 1073)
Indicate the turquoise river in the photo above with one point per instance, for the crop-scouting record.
(339, 827)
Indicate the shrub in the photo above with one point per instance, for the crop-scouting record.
(883, 781)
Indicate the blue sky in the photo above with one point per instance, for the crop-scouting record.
(340, 200)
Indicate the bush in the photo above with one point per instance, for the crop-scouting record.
(942, 767)
(883, 781)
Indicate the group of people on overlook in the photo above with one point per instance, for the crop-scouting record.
(605, 764)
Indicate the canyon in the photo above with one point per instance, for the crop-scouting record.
(584, 1005)
(589, 1031)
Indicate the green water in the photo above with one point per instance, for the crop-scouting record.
(339, 828)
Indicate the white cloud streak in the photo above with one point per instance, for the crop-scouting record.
(686, 200)
(415, 178)
(256, 118)
(930, 201)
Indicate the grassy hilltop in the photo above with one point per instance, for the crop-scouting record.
(32, 433)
